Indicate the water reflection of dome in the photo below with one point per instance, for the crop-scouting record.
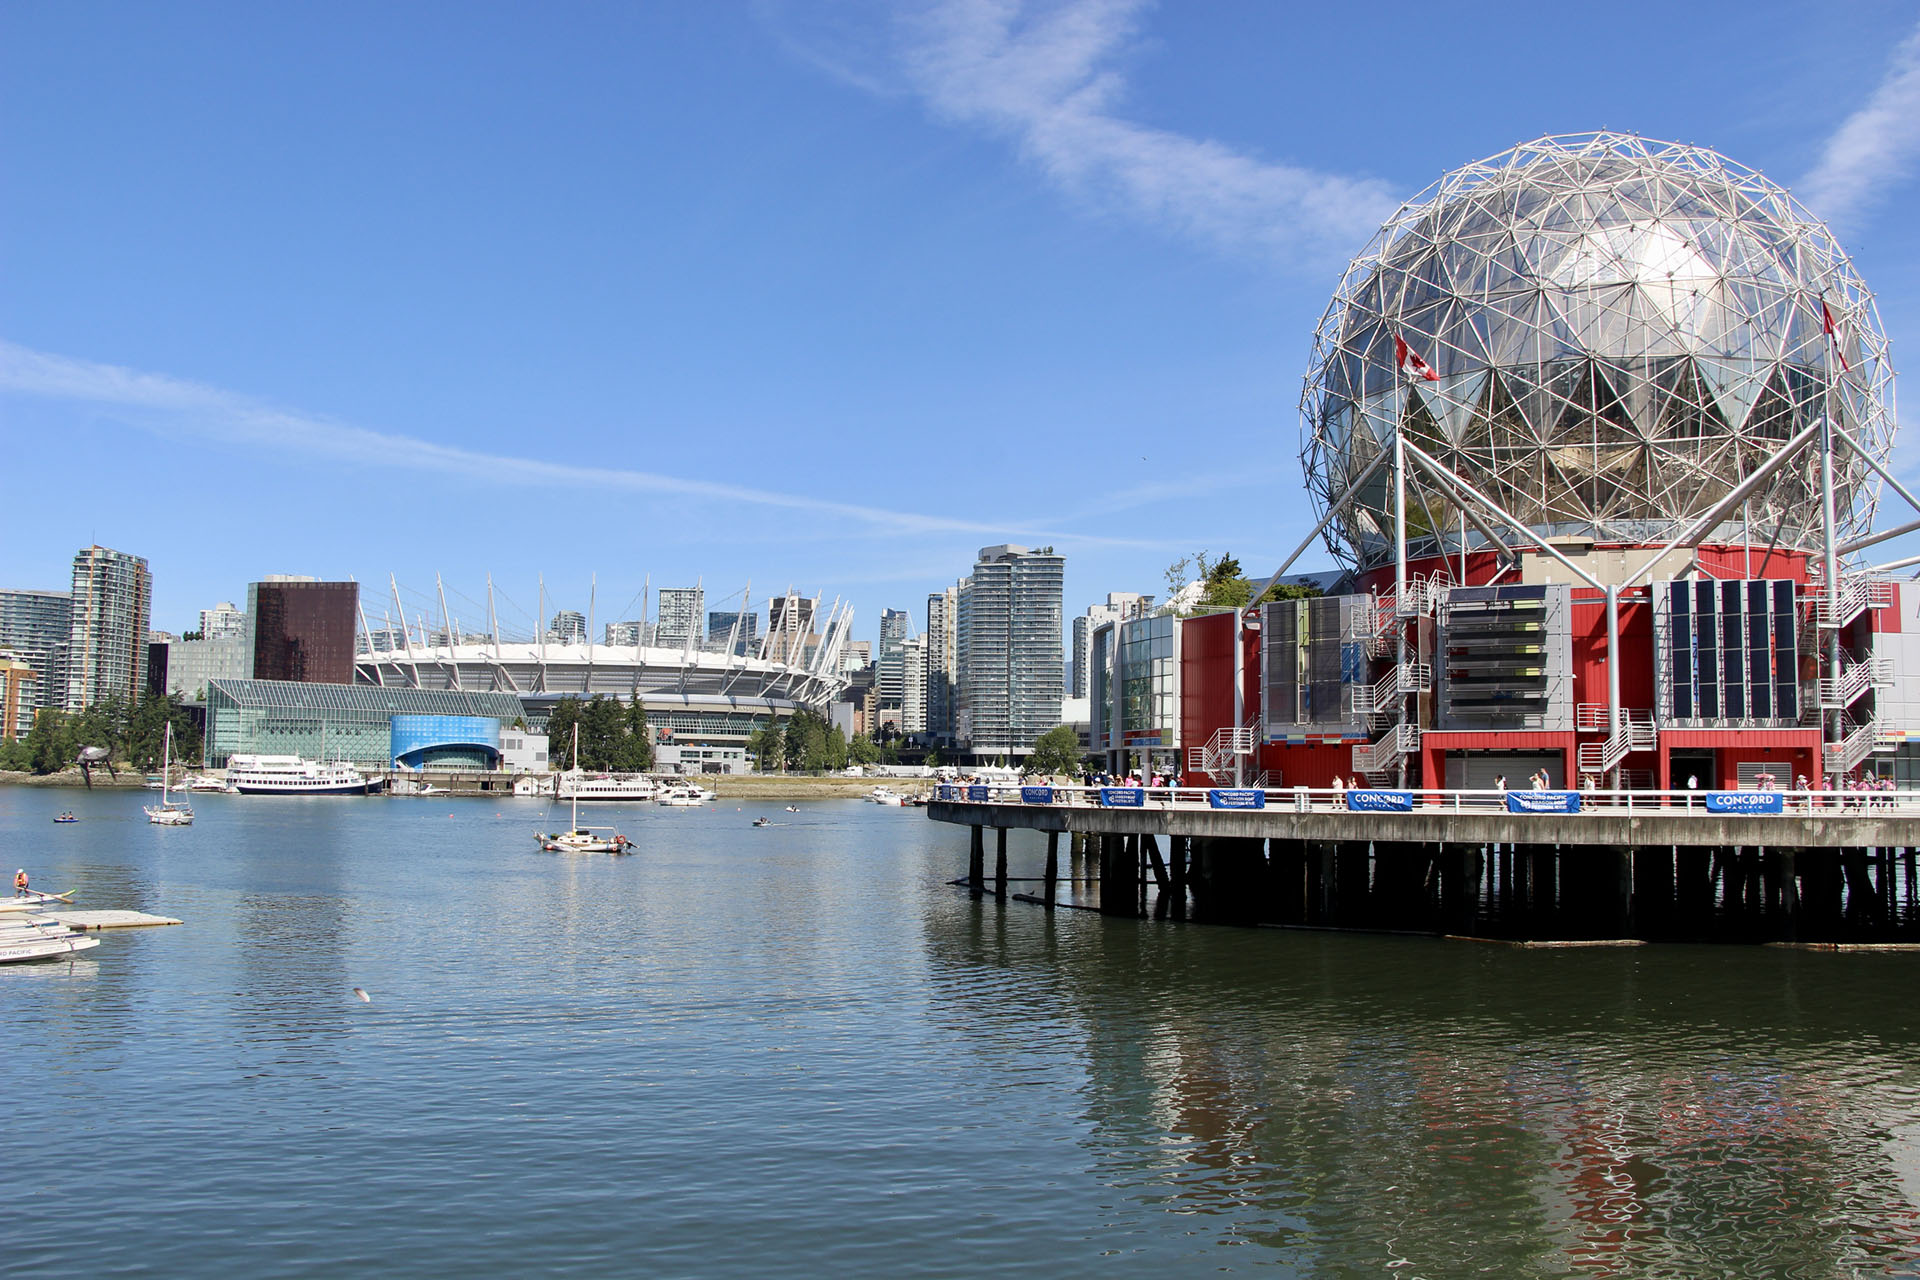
(1621, 330)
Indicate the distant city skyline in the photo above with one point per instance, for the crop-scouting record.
(772, 295)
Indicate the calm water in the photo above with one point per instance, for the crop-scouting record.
(798, 1051)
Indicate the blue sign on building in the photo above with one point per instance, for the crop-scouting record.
(1123, 797)
(1237, 798)
(1036, 795)
(1380, 801)
(1746, 802)
(1543, 802)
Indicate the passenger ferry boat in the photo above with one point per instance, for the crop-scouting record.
(295, 776)
(604, 786)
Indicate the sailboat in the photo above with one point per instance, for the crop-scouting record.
(582, 839)
(167, 813)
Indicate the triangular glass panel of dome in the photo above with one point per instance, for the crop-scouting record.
(1734, 384)
(1543, 394)
(1633, 384)
(1419, 422)
(1459, 396)
(1380, 411)
(1465, 340)
(1690, 408)
(1773, 416)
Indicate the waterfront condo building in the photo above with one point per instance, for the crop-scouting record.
(302, 629)
(107, 635)
(1008, 642)
(35, 627)
(568, 627)
(17, 697)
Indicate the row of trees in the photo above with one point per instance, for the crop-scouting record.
(806, 743)
(132, 732)
(613, 736)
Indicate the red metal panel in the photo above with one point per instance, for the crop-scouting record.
(1206, 681)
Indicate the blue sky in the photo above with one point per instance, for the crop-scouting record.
(821, 294)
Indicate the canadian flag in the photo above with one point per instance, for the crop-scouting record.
(1410, 364)
(1833, 336)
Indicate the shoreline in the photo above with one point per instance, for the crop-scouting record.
(726, 786)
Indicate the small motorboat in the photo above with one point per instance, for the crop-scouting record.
(793, 808)
(763, 822)
(66, 817)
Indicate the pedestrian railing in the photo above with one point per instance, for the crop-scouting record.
(1705, 803)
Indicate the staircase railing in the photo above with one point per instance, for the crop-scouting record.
(1854, 680)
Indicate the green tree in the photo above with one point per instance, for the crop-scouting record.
(862, 750)
(767, 746)
(602, 729)
(560, 724)
(635, 754)
(1056, 751)
(49, 744)
(1223, 585)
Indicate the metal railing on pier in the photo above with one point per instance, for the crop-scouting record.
(1704, 803)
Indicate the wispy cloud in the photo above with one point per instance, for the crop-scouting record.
(1044, 75)
(210, 412)
(1875, 149)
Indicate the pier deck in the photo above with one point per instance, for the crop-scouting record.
(1829, 868)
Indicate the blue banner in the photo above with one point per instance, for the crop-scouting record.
(1036, 795)
(1123, 797)
(977, 794)
(1237, 798)
(1746, 802)
(1380, 801)
(1543, 802)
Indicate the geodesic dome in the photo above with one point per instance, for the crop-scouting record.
(1621, 331)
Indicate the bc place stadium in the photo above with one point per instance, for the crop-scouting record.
(401, 683)
(698, 683)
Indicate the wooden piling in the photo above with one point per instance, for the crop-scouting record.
(1053, 865)
(976, 858)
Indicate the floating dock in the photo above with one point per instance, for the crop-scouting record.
(108, 919)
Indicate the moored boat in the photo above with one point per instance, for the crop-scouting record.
(605, 786)
(297, 776)
(168, 813)
(581, 839)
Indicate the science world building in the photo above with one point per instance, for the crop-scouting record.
(1599, 427)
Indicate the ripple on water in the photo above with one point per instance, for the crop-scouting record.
(800, 1052)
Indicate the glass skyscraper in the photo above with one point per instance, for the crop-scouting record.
(1008, 638)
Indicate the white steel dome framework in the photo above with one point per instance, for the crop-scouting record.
(1604, 336)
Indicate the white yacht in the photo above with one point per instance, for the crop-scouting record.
(296, 776)
(681, 796)
(886, 795)
(604, 786)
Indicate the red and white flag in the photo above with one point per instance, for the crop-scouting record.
(1833, 336)
(1411, 364)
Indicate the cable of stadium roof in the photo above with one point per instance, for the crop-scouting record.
(780, 674)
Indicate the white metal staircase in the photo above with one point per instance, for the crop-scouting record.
(1855, 679)
(1217, 757)
(1859, 741)
(1856, 598)
(1385, 754)
(1631, 731)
